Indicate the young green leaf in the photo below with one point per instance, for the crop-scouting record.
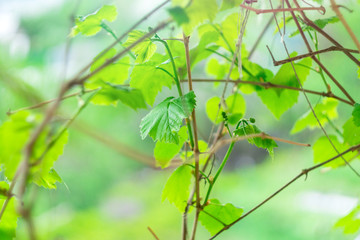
(323, 151)
(216, 216)
(91, 24)
(351, 222)
(227, 4)
(235, 108)
(248, 129)
(177, 187)
(179, 15)
(198, 12)
(43, 174)
(165, 152)
(150, 79)
(351, 132)
(164, 121)
(356, 114)
(144, 50)
(280, 100)
(14, 133)
(8, 223)
(324, 111)
(115, 73)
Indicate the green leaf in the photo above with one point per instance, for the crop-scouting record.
(115, 73)
(351, 133)
(143, 50)
(326, 109)
(43, 174)
(164, 121)
(165, 152)
(351, 222)
(198, 12)
(8, 222)
(235, 108)
(227, 4)
(149, 79)
(215, 215)
(91, 24)
(249, 129)
(323, 151)
(111, 95)
(278, 100)
(177, 187)
(14, 133)
(356, 114)
(179, 15)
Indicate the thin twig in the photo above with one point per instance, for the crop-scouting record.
(84, 69)
(261, 11)
(268, 85)
(304, 172)
(196, 145)
(153, 233)
(335, 7)
(300, 84)
(310, 54)
(41, 104)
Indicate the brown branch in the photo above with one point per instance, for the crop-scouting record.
(261, 11)
(311, 54)
(346, 25)
(304, 172)
(305, 95)
(310, 23)
(268, 85)
(196, 145)
(153, 233)
(41, 104)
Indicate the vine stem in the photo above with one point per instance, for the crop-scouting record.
(219, 171)
(335, 7)
(178, 86)
(84, 69)
(304, 172)
(196, 144)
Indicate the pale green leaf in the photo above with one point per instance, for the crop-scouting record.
(91, 24)
(115, 73)
(323, 151)
(235, 108)
(198, 12)
(8, 222)
(356, 114)
(249, 129)
(280, 100)
(179, 15)
(111, 95)
(326, 109)
(43, 174)
(143, 50)
(215, 215)
(227, 4)
(165, 152)
(351, 222)
(149, 79)
(351, 133)
(176, 190)
(164, 121)
(14, 133)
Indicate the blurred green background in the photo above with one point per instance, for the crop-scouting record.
(107, 195)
